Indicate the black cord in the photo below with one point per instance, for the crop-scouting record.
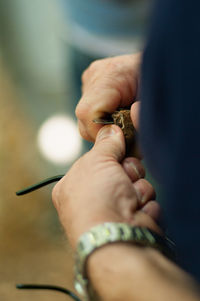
(39, 185)
(49, 287)
(43, 286)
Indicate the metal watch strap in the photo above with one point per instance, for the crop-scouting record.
(107, 233)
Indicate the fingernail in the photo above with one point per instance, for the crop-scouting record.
(106, 131)
(134, 169)
(140, 196)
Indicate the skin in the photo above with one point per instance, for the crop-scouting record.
(104, 186)
(133, 274)
(113, 190)
(107, 85)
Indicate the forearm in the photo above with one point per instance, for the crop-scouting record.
(125, 272)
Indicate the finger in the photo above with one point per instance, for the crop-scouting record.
(141, 219)
(135, 110)
(133, 168)
(110, 142)
(153, 209)
(107, 85)
(83, 132)
(144, 191)
(93, 105)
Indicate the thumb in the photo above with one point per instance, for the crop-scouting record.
(110, 142)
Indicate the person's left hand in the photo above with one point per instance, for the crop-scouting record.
(102, 187)
(108, 84)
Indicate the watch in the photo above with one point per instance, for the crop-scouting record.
(107, 233)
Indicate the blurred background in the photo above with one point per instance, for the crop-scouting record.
(44, 47)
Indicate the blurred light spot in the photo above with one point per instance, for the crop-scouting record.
(59, 140)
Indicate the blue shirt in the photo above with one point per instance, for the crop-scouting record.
(170, 120)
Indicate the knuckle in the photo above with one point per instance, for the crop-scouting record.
(91, 69)
(94, 67)
(84, 75)
(81, 110)
(95, 64)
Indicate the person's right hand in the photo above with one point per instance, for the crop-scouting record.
(103, 186)
(107, 84)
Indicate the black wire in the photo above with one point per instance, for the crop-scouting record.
(49, 287)
(43, 286)
(39, 185)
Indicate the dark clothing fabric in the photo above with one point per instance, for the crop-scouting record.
(170, 120)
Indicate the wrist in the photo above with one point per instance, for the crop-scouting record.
(124, 271)
(108, 266)
(106, 234)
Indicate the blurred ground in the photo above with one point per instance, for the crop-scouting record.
(33, 248)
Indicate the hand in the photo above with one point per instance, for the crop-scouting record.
(107, 85)
(98, 189)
